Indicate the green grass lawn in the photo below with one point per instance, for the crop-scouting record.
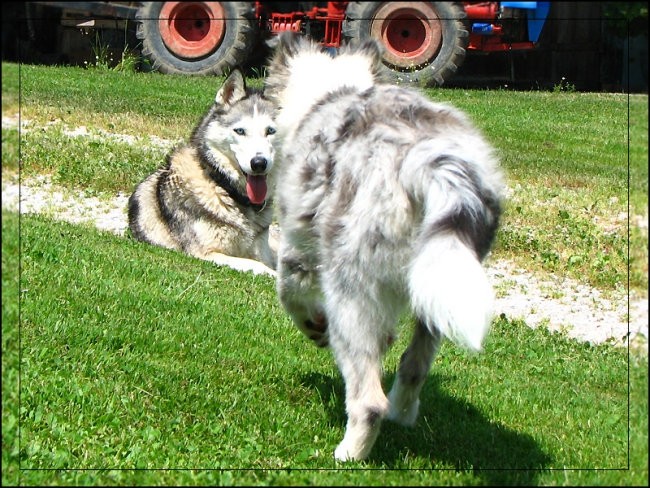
(143, 366)
(565, 154)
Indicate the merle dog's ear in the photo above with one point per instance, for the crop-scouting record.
(272, 42)
(232, 90)
(291, 41)
(374, 50)
(371, 49)
(288, 45)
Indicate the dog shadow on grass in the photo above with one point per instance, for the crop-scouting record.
(451, 432)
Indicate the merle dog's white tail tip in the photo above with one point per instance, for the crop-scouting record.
(450, 291)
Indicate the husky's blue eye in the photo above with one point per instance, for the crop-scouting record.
(270, 131)
(239, 131)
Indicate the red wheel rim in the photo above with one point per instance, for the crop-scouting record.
(410, 31)
(192, 29)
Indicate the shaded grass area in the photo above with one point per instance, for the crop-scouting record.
(134, 357)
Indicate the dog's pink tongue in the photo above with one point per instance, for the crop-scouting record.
(256, 188)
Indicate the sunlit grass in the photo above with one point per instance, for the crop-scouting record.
(134, 358)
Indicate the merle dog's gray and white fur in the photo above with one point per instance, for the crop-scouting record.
(386, 201)
(213, 198)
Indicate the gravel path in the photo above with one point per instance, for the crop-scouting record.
(560, 304)
(581, 312)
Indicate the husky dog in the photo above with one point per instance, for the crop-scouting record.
(387, 202)
(213, 197)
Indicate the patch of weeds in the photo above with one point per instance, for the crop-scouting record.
(564, 86)
(103, 57)
(503, 287)
(553, 292)
(129, 61)
(101, 54)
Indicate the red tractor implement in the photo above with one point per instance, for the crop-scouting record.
(424, 42)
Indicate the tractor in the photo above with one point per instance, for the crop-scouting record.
(424, 42)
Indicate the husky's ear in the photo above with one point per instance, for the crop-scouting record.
(232, 90)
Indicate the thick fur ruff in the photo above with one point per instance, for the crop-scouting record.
(387, 202)
(213, 198)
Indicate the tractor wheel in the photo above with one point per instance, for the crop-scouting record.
(195, 38)
(424, 42)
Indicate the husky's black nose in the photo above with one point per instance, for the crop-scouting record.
(258, 164)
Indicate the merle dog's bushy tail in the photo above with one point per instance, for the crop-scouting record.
(458, 188)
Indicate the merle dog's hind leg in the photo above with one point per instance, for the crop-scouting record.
(404, 397)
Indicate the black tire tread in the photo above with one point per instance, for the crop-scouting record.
(427, 76)
(237, 54)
